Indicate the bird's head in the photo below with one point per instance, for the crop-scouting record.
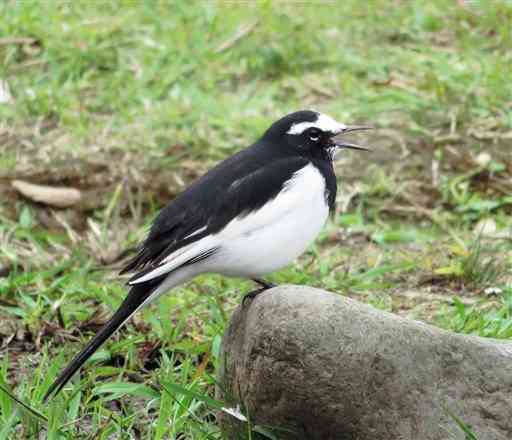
(312, 133)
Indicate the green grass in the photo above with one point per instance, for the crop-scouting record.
(131, 99)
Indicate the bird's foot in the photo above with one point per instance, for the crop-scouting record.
(251, 295)
(263, 283)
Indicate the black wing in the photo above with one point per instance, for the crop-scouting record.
(242, 183)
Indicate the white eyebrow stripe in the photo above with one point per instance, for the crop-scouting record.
(324, 123)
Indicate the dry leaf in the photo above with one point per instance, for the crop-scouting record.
(59, 197)
(486, 227)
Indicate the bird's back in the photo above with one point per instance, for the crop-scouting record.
(227, 190)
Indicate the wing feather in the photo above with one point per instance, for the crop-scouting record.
(186, 229)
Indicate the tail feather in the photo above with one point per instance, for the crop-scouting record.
(134, 300)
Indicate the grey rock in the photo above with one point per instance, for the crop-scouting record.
(329, 367)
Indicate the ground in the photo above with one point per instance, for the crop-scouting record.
(129, 102)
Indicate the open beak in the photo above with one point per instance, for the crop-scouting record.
(341, 143)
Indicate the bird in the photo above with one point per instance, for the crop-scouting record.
(250, 215)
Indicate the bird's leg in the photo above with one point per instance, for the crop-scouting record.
(263, 283)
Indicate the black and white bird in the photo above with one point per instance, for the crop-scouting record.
(250, 215)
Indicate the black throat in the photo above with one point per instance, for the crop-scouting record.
(326, 168)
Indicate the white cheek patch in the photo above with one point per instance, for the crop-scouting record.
(323, 122)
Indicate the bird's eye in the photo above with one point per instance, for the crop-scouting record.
(314, 134)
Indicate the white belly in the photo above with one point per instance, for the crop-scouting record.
(272, 237)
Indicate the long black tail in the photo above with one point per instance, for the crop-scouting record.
(136, 296)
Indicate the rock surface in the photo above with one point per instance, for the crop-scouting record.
(328, 367)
